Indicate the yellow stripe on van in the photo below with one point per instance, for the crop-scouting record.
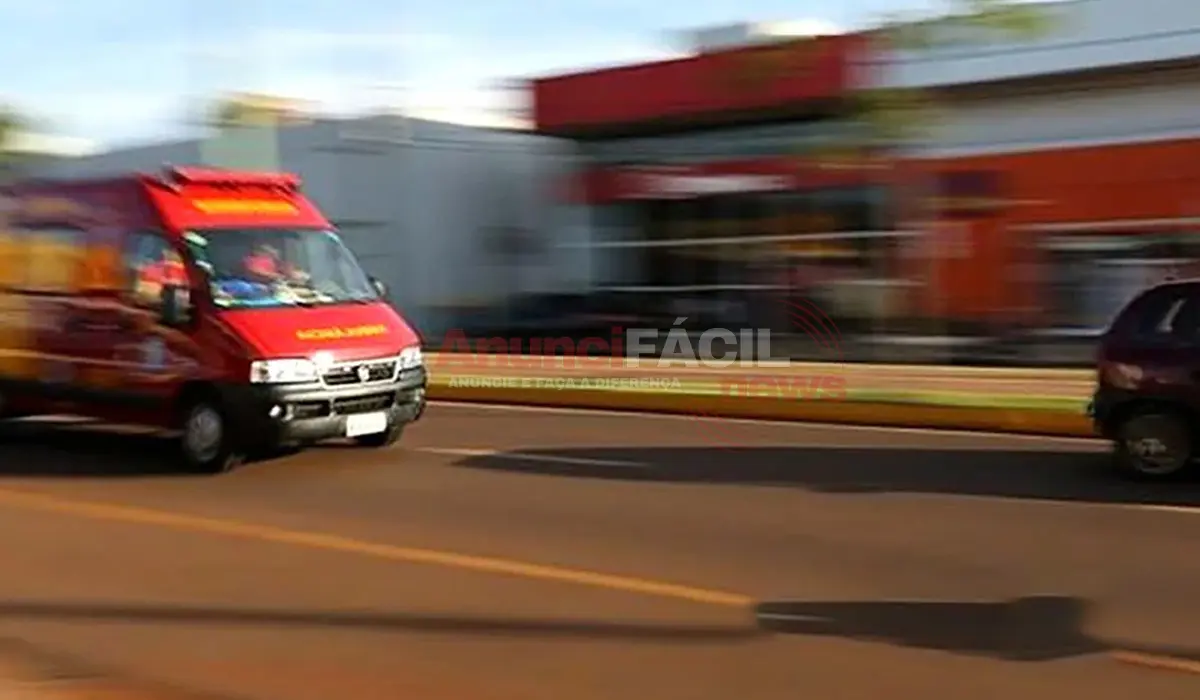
(18, 357)
(337, 332)
(263, 207)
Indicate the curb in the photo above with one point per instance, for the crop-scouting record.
(875, 413)
(445, 360)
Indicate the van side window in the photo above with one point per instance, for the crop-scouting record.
(151, 262)
(44, 260)
(12, 257)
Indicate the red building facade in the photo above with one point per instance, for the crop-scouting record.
(743, 169)
(729, 175)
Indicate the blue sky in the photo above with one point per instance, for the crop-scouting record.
(120, 71)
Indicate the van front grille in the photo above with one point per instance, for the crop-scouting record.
(364, 404)
(352, 373)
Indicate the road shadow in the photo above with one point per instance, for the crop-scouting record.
(1061, 475)
(378, 621)
(1031, 629)
(77, 449)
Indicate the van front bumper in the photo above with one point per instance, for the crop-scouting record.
(267, 415)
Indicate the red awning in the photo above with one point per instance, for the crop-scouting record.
(788, 73)
(603, 185)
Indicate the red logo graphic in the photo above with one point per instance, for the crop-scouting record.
(781, 389)
(709, 381)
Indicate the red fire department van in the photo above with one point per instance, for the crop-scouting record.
(220, 304)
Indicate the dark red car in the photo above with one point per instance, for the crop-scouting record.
(1147, 396)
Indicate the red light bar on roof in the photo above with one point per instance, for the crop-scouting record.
(213, 176)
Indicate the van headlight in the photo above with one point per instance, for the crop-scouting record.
(411, 358)
(283, 371)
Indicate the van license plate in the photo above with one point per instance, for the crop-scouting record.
(366, 423)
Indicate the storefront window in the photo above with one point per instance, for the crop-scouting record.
(1089, 278)
(762, 141)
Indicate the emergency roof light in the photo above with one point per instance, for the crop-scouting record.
(184, 175)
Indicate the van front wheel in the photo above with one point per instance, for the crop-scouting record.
(207, 442)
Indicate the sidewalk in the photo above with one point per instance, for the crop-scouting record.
(908, 378)
(27, 673)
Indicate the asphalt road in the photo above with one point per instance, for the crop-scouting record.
(519, 553)
(900, 378)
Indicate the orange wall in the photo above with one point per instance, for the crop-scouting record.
(1099, 183)
(1135, 181)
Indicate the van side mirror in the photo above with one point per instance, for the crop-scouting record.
(380, 288)
(176, 307)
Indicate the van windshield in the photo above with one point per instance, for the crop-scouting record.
(273, 267)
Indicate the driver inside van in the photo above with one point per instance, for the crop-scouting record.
(265, 264)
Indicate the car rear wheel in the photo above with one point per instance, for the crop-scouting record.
(5, 411)
(208, 443)
(1154, 444)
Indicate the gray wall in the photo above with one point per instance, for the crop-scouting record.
(423, 213)
(1083, 34)
(1102, 110)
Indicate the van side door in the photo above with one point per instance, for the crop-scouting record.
(150, 353)
(60, 344)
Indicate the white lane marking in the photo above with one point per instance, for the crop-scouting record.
(1159, 662)
(526, 457)
(647, 415)
(1035, 500)
(779, 617)
(890, 601)
(1047, 501)
(1180, 510)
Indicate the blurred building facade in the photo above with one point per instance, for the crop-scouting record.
(456, 220)
(721, 185)
(1089, 148)
(30, 152)
(1060, 174)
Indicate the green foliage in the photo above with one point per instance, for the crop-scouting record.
(1011, 19)
(895, 115)
(978, 20)
(252, 110)
(233, 112)
(11, 123)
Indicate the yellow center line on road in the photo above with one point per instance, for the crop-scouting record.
(335, 543)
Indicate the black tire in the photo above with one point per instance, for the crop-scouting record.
(203, 452)
(5, 412)
(1153, 444)
(387, 438)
